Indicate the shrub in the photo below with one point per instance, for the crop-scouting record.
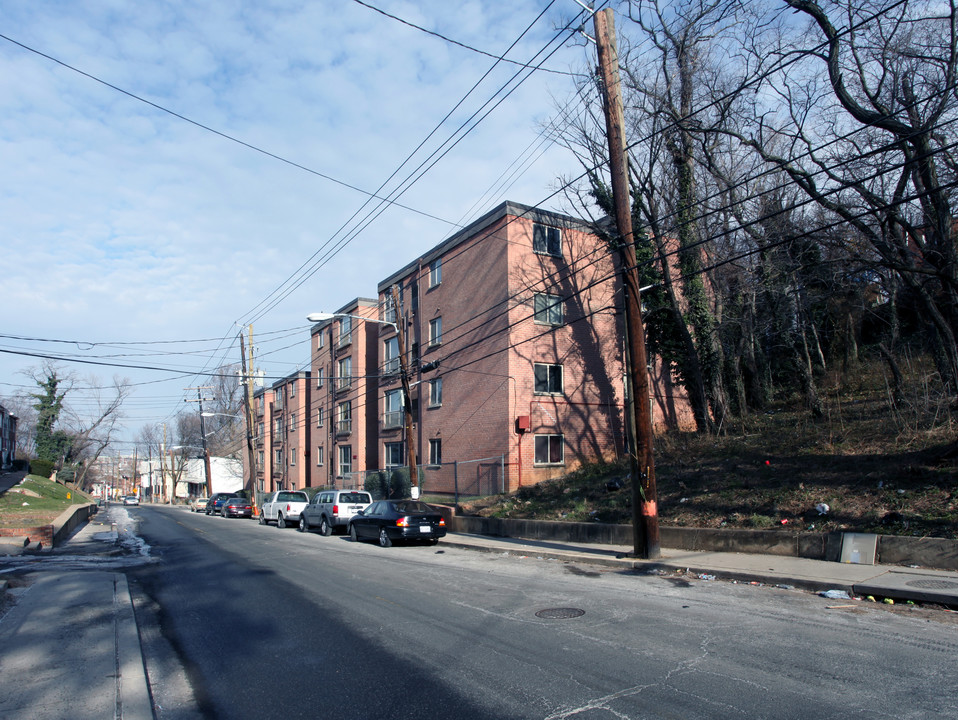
(43, 468)
(375, 485)
(399, 485)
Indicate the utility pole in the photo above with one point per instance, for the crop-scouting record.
(248, 403)
(645, 513)
(407, 399)
(206, 450)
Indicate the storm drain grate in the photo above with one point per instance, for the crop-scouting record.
(560, 613)
(932, 584)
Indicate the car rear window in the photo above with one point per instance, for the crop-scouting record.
(355, 498)
(413, 506)
(292, 497)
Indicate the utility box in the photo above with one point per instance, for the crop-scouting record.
(523, 423)
(859, 548)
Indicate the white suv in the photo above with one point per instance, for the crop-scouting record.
(331, 509)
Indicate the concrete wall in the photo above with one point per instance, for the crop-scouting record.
(937, 553)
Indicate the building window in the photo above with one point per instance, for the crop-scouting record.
(345, 460)
(435, 392)
(391, 355)
(345, 331)
(292, 390)
(435, 331)
(546, 240)
(435, 272)
(292, 456)
(389, 309)
(548, 379)
(279, 457)
(320, 340)
(435, 451)
(394, 455)
(261, 430)
(549, 450)
(320, 416)
(260, 458)
(345, 378)
(320, 455)
(344, 417)
(278, 426)
(292, 422)
(392, 409)
(320, 377)
(548, 309)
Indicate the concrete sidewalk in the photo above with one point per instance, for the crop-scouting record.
(70, 648)
(880, 581)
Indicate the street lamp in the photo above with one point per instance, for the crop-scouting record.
(404, 376)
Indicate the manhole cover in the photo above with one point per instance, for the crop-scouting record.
(560, 613)
(932, 584)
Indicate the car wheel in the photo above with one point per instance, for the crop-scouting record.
(303, 524)
(384, 540)
(324, 527)
(352, 533)
(280, 521)
(262, 518)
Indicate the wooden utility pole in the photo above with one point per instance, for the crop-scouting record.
(248, 403)
(407, 399)
(645, 513)
(206, 450)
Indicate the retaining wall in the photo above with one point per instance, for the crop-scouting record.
(937, 553)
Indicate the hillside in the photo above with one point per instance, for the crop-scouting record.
(877, 469)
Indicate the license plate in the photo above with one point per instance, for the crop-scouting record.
(354, 508)
(425, 528)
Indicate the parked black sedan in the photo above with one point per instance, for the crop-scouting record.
(390, 520)
(237, 507)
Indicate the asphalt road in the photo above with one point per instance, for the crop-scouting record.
(272, 623)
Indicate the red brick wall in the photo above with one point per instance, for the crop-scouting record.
(41, 533)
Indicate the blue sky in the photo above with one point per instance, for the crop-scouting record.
(124, 223)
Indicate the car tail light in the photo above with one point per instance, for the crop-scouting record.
(335, 509)
(287, 507)
(402, 522)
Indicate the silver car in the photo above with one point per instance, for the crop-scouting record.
(331, 509)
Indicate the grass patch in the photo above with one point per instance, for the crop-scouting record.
(37, 501)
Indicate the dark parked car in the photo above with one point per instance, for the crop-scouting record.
(215, 504)
(237, 507)
(390, 520)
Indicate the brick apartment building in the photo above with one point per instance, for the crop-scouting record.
(513, 332)
(283, 434)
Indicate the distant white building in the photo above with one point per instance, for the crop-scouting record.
(226, 475)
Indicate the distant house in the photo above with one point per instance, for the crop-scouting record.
(8, 438)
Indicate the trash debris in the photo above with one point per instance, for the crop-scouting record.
(683, 500)
(785, 587)
(26, 503)
(835, 595)
(870, 598)
(784, 521)
(703, 576)
(888, 601)
(822, 508)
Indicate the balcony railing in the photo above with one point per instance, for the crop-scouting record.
(392, 419)
(344, 339)
(343, 383)
(391, 366)
(344, 427)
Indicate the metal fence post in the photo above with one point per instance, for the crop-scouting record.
(455, 480)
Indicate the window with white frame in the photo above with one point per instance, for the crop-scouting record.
(320, 377)
(548, 309)
(320, 416)
(292, 422)
(345, 331)
(435, 392)
(345, 373)
(292, 456)
(549, 450)
(345, 460)
(389, 308)
(435, 451)
(435, 331)
(278, 426)
(435, 272)
(548, 379)
(546, 240)
(320, 455)
(292, 390)
(261, 430)
(393, 455)
(320, 340)
(391, 355)
(392, 409)
(278, 455)
(344, 417)
(260, 458)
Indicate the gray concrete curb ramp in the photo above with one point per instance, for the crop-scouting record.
(71, 650)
